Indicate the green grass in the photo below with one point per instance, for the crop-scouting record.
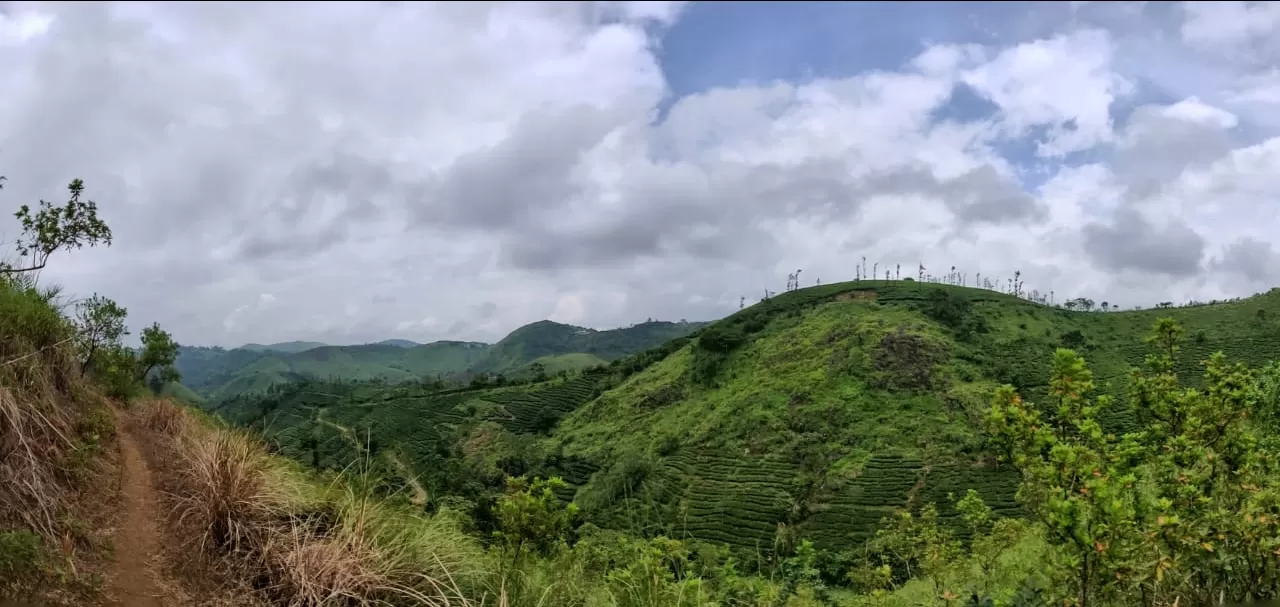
(820, 410)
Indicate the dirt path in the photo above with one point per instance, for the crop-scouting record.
(137, 540)
(419, 497)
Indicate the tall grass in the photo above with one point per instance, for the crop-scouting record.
(303, 544)
(39, 408)
(53, 425)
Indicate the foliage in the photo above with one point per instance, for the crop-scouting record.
(792, 439)
(158, 354)
(53, 228)
(100, 323)
(21, 554)
(530, 516)
(1179, 509)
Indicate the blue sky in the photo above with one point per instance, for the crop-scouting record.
(727, 44)
(351, 172)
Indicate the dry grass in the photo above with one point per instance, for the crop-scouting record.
(55, 429)
(37, 437)
(301, 546)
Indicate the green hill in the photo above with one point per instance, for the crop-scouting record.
(403, 343)
(215, 373)
(288, 347)
(546, 338)
(810, 415)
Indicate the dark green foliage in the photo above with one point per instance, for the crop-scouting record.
(158, 354)
(1073, 339)
(21, 555)
(907, 361)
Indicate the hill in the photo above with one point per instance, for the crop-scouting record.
(402, 343)
(288, 347)
(542, 347)
(811, 415)
(547, 339)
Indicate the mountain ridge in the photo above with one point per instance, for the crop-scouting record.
(215, 372)
(817, 412)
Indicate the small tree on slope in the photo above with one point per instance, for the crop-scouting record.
(1185, 509)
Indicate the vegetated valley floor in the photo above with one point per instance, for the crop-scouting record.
(814, 413)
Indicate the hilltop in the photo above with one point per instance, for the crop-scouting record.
(541, 347)
(287, 347)
(810, 415)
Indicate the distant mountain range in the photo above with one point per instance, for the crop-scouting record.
(293, 347)
(210, 373)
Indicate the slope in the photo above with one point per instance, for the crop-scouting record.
(215, 373)
(823, 409)
(287, 347)
(546, 339)
(810, 415)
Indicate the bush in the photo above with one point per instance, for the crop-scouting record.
(21, 553)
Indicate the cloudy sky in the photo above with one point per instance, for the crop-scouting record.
(355, 172)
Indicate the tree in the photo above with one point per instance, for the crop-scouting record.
(159, 351)
(99, 323)
(530, 516)
(1078, 481)
(53, 228)
(1185, 509)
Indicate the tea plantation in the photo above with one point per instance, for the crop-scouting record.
(810, 415)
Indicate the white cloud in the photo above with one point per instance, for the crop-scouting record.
(1065, 83)
(360, 171)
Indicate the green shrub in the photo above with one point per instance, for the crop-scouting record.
(21, 553)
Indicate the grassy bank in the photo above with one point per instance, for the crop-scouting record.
(56, 439)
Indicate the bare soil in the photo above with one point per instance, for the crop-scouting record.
(133, 579)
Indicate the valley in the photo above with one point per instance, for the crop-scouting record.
(812, 415)
(541, 347)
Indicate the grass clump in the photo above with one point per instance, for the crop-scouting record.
(301, 543)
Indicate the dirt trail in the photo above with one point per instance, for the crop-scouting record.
(137, 540)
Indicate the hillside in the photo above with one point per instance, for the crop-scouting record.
(214, 373)
(811, 415)
(547, 339)
(288, 347)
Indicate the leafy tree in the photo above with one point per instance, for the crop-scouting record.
(99, 324)
(1184, 510)
(52, 228)
(530, 517)
(115, 368)
(159, 351)
(1077, 481)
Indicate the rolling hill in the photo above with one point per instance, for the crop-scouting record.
(807, 416)
(288, 347)
(215, 373)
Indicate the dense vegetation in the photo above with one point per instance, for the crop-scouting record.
(542, 347)
(793, 429)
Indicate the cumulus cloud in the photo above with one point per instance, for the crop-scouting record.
(351, 172)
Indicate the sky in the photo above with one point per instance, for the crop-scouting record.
(351, 172)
